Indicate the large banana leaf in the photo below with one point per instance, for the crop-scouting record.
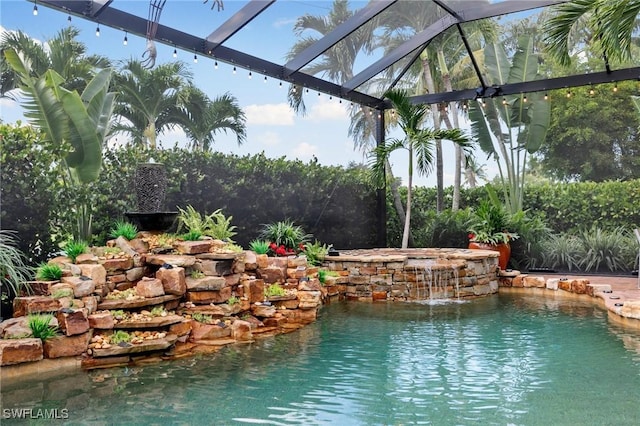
(86, 157)
(42, 107)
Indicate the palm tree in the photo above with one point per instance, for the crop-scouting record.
(611, 23)
(338, 63)
(206, 118)
(417, 140)
(62, 53)
(446, 54)
(152, 101)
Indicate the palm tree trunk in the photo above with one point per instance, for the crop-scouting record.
(428, 78)
(397, 200)
(407, 222)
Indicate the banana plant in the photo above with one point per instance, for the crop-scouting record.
(79, 122)
(510, 128)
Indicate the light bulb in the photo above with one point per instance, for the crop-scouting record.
(592, 92)
(546, 97)
(568, 94)
(524, 99)
(215, 65)
(69, 19)
(234, 69)
(195, 58)
(280, 85)
(615, 88)
(126, 40)
(250, 75)
(35, 10)
(265, 78)
(98, 31)
(175, 52)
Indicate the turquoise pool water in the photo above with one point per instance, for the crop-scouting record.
(501, 360)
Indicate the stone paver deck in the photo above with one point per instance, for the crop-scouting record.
(623, 301)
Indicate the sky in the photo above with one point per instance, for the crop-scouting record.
(272, 126)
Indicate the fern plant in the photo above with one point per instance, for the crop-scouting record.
(215, 225)
(285, 233)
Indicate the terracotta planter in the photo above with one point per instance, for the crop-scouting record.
(504, 249)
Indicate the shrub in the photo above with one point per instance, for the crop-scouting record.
(40, 325)
(14, 272)
(274, 290)
(75, 248)
(285, 237)
(119, 336)
(607, 249)
(259, 246)
(561, 252)
(123, 229)
(192, 235)
(49, 272)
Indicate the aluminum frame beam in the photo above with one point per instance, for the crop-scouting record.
(442, 24)
(136, 25)
(342, 31)
(532, 86)
(238, 21)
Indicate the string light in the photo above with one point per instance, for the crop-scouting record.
(98, 31)
(484, 103)
(504, 101)
(265, 78)
(69, 19)
(524, 99)
(615, 88)
(546, 97)
(126, 40)
(591, 91)
(35, 9)
(195, 58)
(568, 94)
(234, 69)
(250, 75)
(318, 94)
(215, 64)
(280, 85)
(175, 52)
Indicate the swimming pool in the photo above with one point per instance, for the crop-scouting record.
(498, 360)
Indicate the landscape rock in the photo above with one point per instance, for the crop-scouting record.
(150, 287)
(16, 351)
(61, 346)
(173, 280)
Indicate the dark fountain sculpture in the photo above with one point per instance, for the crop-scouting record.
(151, 186)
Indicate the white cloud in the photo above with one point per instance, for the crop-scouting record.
(326, 109)
(304, 151)
(284, 22)
(270, 114)
(269, 139)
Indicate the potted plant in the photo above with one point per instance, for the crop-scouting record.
(488, 230)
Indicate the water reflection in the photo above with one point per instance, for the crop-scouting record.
(498, 360)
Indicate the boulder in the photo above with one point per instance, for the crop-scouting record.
(101, 320)
(16, 351)
(15, 328)
(200, 331)
(241, 331)
(173, 280)
(34, 304)
(61, 346)
(97, 273)
(72, 323)
(150, 287)
(193, 247)
(205, 283)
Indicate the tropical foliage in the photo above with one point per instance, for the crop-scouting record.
(510, 128)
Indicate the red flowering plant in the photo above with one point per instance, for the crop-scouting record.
(285, 238)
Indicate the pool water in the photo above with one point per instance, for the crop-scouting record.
(499, 360)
